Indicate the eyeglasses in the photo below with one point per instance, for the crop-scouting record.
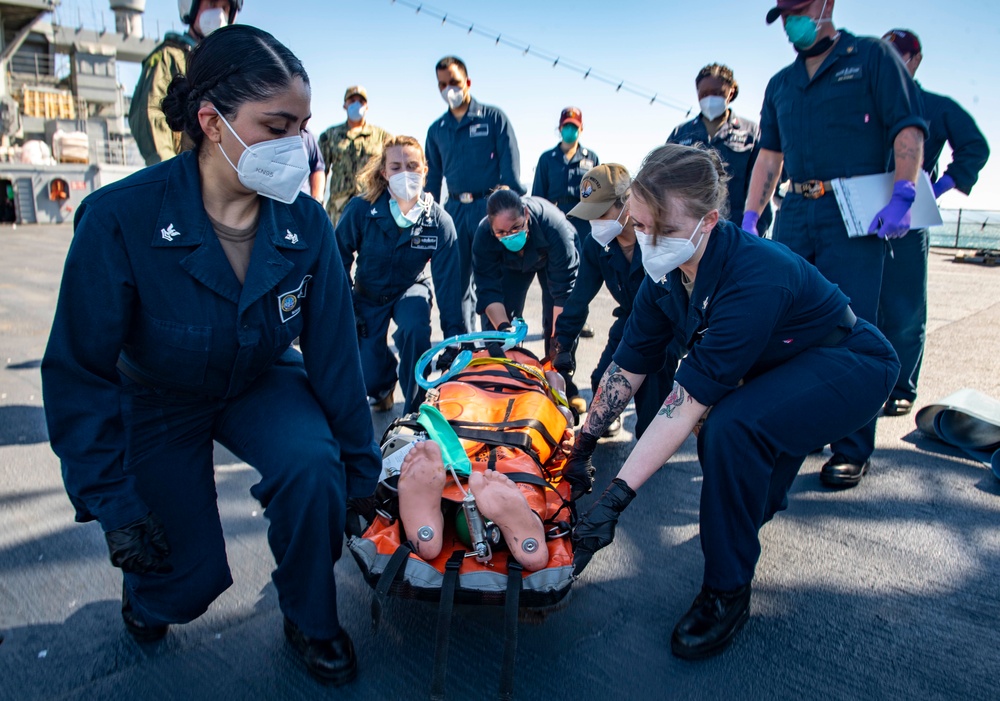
(518, 228)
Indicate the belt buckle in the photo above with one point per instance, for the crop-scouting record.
(465, 197)
(813, 189)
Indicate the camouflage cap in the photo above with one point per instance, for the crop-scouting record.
(600, 188)
(356, 90)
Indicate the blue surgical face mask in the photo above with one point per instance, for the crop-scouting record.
(515, 242)
(569, 133)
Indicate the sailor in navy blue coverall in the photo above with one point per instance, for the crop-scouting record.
(843, 112)
(902, 314)
(736, 139)
(390, 285)
(776, 353)
(157, 350)
(560, 170)
(473, 149)
(504, 276)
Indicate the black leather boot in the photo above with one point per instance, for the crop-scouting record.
(841, 472)
(711, 623)
(140, 631)
(330, 661)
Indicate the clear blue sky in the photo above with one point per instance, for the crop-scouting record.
(660, 46)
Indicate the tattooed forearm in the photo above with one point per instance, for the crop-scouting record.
(613, 395)
(909, 152)
(675, 399)
(770, 183)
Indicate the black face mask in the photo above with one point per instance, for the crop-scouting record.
(820, 47)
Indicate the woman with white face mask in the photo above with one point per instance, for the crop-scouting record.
(774, 350)
(733, 137)
(389, 233)
(183, 291)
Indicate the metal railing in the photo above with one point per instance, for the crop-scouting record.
(967, 228)
(33, 63)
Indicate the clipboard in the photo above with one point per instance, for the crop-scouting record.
(861, 198)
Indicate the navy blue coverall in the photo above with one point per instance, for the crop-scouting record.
(902, 307)
(607, 265)
(473, 156)
(550, 253)
(840, 123)
(737, 142)
(390, 284)
(558, 181)
(156, 349)
(760, 314)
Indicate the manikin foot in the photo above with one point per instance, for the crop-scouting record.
(421, 479)
(501, 501)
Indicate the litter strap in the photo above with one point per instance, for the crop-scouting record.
(510, 614)
(448, 587)
(393, 570)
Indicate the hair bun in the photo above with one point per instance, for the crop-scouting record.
(175, 104)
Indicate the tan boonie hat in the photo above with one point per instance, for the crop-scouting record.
(356, 90)
(600, 188)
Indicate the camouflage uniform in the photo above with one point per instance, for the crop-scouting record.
(346, 151)
(156, 141)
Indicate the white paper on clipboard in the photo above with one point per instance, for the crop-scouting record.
(862, 197)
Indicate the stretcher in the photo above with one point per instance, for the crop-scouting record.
(492, 410)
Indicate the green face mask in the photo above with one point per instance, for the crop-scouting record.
(570, 133)
(515, 242)
(801, 31)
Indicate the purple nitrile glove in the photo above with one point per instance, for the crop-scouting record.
(750, 221)
(893, 221)
(943, 184)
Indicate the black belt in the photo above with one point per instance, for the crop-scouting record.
(139, 380)
(812, 189)
(842, 330)
(375, 299)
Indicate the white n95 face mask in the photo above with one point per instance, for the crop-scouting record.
(277, 168)
(667, 253)
(212, 19)
(453, 96)
(356, 111)
(406, 186)
(605, 231)
(712, 106)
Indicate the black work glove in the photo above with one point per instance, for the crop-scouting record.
(563, 360)
(597, 529)
(579, 470)
(140, 547)
(446, 358)
(360, 514)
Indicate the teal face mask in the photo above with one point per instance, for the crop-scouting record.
(570, 133)
(515, 242)
(801, 31)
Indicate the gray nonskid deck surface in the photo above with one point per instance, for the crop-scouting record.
(890, 590)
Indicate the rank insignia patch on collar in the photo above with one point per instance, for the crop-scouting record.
(169, 233)
(291, 238)
(290, 303)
